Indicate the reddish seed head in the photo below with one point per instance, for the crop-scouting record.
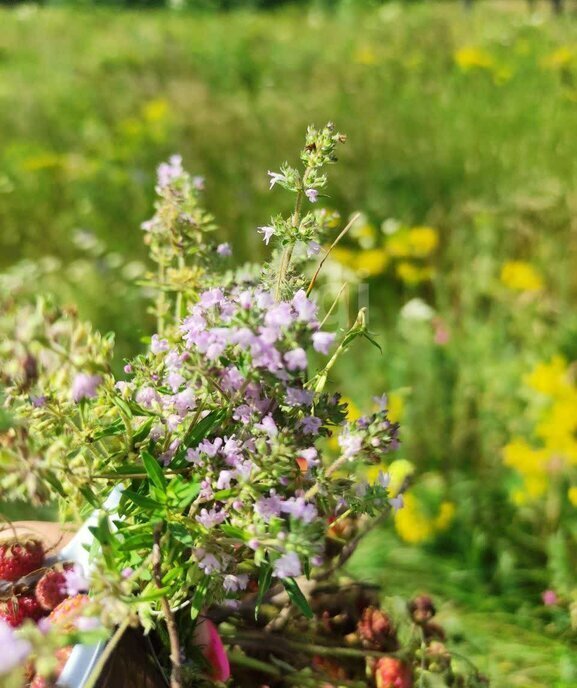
(392, 673)
(16, 610)
(19, 558)
(51, 590)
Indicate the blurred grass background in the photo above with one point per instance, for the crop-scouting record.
(462, 158)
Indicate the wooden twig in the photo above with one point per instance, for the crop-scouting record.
(175, 660)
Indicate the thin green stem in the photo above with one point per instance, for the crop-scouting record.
(105, 656)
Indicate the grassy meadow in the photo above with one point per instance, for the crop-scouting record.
(462, 162)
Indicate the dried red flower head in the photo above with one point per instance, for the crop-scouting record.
(393, 673)
(376, 630)
(18, 558)
(421, 609)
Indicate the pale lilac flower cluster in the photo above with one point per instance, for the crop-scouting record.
(255, 350)
(370, 437)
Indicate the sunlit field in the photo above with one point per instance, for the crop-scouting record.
(461, 165)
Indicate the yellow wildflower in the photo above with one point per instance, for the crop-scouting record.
(396, 403)
(445, 517)
(400, 470)
(572, 495)
(563, 57)
(42, 161)
(521, 276)
(372, 262)
(410, 273)
(422, 241)
(469, 57)
(414, 525)
(365, 55)
(549, 378)
(411, 523)
(155, 110)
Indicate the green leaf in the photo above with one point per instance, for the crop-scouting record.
(141, 500)
(264, 581)
(196, 433)
(154, 471)
(115, 428)
(199, 596)
(233, 531)
(53, 481)
(122, 405)
(367, 335)
(90, 497)
(143, 431)
(296, 596)
(139, 541)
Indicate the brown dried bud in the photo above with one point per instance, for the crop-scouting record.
(376, 630)
(421, 609)
(329, 667)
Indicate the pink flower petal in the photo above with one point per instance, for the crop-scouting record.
(207, 638)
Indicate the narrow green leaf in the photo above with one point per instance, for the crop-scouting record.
(141, 500)
(264, 581)
(90, 497)
(143, 431)
(154, 471)
(296, 596)
(198, 599)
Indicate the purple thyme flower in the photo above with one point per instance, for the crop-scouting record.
(312, 195)
(14, 650)
(75, 581)
(211, 297)
(210, 564)
(233, 583)
(296, 359)
(146, 396)
(298, 397)
(322, 341)
(279, 315)
(158, 345)
(210, 518)
(310, 455)
(276, 178)
(287, 566)
(198, 183)
(224, 250)
(84, 386)
(169, 171)
(298, 508)
(267, 425)
(397, 502)
(211, 448)
(350, 444)
(313, 249)
(310, 425)
(267, 231)
(268, 507)
(305, 308)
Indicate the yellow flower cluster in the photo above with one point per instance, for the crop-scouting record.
(408, 247)
(521, 276)
(471, 57)
(554, 447)
(561, 58)
(414, 525)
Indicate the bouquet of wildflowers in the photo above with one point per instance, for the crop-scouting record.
(216, 438)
